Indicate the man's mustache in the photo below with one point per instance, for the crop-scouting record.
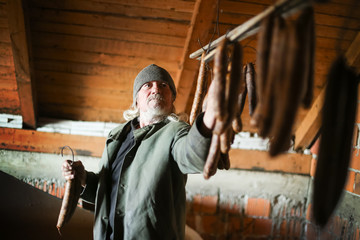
(156, 97)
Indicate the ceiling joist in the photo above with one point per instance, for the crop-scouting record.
(202, 20)
(21, 55)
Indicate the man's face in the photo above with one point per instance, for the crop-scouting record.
(155, 98)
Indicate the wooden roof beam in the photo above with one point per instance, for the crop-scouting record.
(307, 131)
(46, 142)
(202, 20)
(21, 54)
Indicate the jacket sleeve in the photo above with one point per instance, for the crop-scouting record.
(92, 179)
(190, 148)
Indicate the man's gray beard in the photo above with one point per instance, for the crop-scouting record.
(154, 115)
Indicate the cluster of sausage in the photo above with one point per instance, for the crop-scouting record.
(339, 113)
(222, 94)
(285, 75)
(284, 82)
(231, 83)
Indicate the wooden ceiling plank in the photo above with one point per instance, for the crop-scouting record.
(110, 103)
(122, 61)
(202, 20)
(174, 5)
(309, 128)
(21, 55)
(61, 111)
(101, 45)
(118, 8)
(156, 26)
(88, 69)
(106, 33)
(246, 8)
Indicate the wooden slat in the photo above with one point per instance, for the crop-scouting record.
(88, 69)
(339, 9)
(174, 5)
(337, 21)
(5, 49)
(4, 35)
(4, 22)
(155, 26)
(3, 10)
(260, 160)
(203, 16)
(83, 97)
(123, 48)
(309, 128)
(7, 72)
(242, 7)
(9, 100)
(82, 113)
(114, 34)
(34, 141)
(118, 8)
(334, 32)
(108, 103)
(73, 80)
(6, 61)
(84, 91)
(123, 61)
(22, 65)
(234, 19)
(9, 85)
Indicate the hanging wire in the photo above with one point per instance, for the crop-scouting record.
(216, 30)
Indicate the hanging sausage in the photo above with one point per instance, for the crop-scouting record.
(200, 90)
(262, 59)
(339, 112)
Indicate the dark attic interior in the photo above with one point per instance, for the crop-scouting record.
(66, 76)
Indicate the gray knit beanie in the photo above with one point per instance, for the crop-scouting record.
(152, 73)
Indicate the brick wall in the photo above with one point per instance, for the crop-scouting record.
(344, 224)
(260, 205)
(255, 219)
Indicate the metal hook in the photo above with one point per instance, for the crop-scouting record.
(72, 152)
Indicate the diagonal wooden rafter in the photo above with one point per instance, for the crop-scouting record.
(309, 128)
(21, 56)
(202, 20)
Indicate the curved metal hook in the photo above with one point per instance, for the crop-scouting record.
(72, 152)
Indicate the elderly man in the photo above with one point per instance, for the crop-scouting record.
(139, 191)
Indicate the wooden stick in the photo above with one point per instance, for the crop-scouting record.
(251, 26)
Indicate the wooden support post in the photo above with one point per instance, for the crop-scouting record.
(21, 54)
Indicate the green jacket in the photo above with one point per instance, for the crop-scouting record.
(151, 200)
